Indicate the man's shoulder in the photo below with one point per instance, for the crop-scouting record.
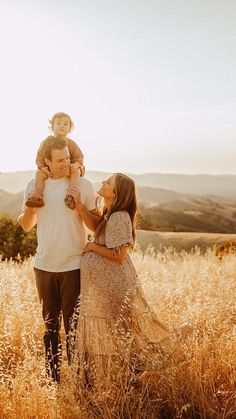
(30, 184)
(28, 190)
(86, 183)
(87, 187)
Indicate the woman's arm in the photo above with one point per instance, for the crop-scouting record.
(90, 218)
(118, 254)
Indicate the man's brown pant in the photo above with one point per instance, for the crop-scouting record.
(58, 293)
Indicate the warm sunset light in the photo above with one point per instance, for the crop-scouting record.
(118, 241)
(150, 85)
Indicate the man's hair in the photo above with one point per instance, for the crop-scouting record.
(52, 143)
(60, 115)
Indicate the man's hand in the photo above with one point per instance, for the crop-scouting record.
(28, 219)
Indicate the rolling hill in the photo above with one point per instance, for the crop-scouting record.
(179, 241)
(200, 185)
(208, 218)
(10, 203)
(161, 209)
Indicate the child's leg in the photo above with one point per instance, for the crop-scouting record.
(73, 183)
(40, 182)
(35, 200)
(73, 180)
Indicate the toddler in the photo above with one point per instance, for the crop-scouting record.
(60, 124)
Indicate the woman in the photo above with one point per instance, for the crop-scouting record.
(115, 322)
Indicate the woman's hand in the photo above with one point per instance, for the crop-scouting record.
(89, 247)
(76, 195)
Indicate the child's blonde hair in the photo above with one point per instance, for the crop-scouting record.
(60, 115)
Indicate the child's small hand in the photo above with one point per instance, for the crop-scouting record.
(82, 170)
(46, 171)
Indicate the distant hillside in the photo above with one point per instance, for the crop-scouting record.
(10, 203)
(216, 185)
(161, 209)
(219, 185)
(197, 215)
(160, 212)
(15, 181)
(180, 241)
(153, 196)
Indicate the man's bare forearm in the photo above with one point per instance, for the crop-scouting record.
(28, 219)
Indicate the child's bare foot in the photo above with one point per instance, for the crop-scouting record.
(34, 201)
(69, 201)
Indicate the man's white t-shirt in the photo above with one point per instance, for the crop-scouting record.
(61, 232)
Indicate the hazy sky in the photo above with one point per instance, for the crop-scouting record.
(150, 84)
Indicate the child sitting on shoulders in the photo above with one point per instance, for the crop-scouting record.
(60, 124)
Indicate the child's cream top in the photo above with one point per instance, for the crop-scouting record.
(61, 232)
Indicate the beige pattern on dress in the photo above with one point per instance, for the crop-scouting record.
(113, 311)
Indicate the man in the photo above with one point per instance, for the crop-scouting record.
(61, 237)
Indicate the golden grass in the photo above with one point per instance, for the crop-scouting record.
(196, 379)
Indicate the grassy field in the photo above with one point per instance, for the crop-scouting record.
(194, 378)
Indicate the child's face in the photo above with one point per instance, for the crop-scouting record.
(61, 126)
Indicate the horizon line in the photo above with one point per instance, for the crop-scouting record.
(138, 174)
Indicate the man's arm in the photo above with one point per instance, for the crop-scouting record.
(28, 219)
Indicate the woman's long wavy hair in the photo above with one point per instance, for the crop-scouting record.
(125, 200)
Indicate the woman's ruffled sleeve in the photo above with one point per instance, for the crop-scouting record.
(118, 230)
